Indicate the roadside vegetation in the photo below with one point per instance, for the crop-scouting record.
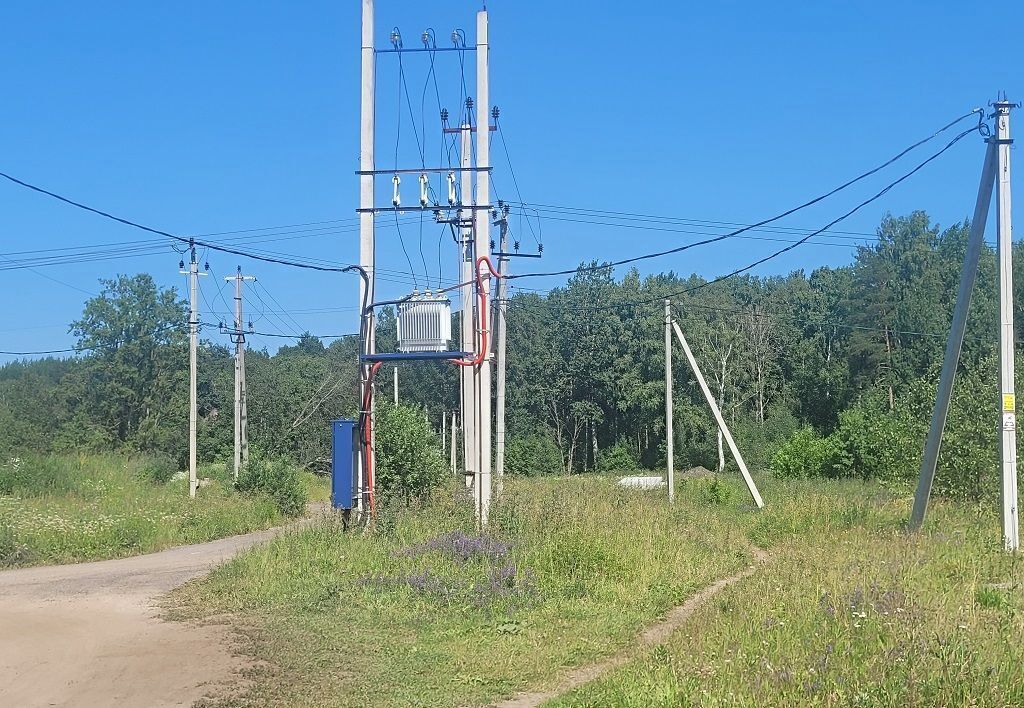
(70, 508)
(423, 610)
(848, 610)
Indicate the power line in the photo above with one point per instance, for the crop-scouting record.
(584, 212)
(179, 239)
(298, 327)
(777, 253)
(515, 181)
(782, 215)
(852, 211)
(68, 350)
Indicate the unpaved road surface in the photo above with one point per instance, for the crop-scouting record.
(88, 635)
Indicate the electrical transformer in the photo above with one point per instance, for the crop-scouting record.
(424, 324)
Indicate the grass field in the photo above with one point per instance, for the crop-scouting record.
(847, 611)
(63, 509)
(422, 611)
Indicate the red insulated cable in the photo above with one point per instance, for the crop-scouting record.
(368, 437)
(482, 350)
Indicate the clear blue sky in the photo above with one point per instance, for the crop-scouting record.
(200, 117)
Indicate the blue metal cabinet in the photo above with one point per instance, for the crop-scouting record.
(344, 446)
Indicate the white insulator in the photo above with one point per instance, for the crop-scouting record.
(396, 198)
(451, 188)
(424, 184)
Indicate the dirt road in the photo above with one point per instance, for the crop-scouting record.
(88, 635)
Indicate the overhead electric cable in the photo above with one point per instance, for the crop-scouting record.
(179, 239)
(782, 215)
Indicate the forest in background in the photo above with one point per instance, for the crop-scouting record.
(829, 373)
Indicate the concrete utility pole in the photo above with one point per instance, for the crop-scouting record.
(483, 249)
(193, 371)
(453, 449)
(467, 327)
(500, 345)
(669, 437)
(238, 339)
(394, 383)
(710, 398)
(1008, 422)
(955, 341)
(367, 243)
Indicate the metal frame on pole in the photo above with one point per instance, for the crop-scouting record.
(367, 243)
(669, 436)
(755, 495)
(1008, 399)
(955, 341)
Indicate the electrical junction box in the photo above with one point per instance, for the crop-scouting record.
(344, 449)
(424, 324)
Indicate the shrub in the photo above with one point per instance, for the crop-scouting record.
(278, 479)
(715, 491)
(409, 461)
(618, 458)
(807, 454)
(532, 455)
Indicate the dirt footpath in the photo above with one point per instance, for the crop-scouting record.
(88, 635)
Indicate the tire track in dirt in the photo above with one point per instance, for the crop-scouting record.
(653, 635)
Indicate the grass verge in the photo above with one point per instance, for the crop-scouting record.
(422, 611)
(849, 611)
(63, 509)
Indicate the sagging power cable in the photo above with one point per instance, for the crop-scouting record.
(788, 212)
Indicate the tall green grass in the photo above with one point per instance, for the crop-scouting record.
(421, 610)
(68, 508)
(849, 611)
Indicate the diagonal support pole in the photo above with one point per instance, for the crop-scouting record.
(718, 417)
(956, 340)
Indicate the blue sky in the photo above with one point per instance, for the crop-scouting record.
(200, 118)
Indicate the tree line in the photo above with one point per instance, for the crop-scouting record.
(836, 358)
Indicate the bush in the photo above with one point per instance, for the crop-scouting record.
(278, 479)
(618, 458)
(409, 460)
(807, 454)
(532, 455)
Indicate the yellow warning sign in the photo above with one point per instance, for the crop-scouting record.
(1009, 402)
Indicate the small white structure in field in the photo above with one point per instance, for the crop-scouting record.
(638, 481)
